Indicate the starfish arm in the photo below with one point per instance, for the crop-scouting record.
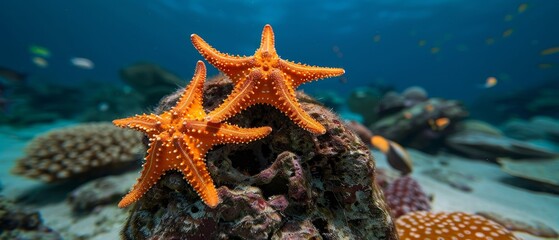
(267, 42)
(229, 133)
(195, 172)
(235, 102)
(151, 172)
(301, 73)
(190, 102)
(234, 67)
(147, 124)
(289, 105)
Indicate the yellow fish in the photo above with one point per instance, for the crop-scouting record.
(489, 41)
(421, 43)
(549, 51)
(546, 65)
(376, 38)
(40, 62)
(508, 32)
(522, 7)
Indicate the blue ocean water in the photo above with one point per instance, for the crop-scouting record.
(447, 47)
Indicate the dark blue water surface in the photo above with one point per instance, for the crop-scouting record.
(375, 41)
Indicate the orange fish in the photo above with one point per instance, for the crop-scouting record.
(380, 143)
(396, 155)
(549, 51)
(435, 50)
(489, 82)
(408, 115)
(429, 108)
(439, 124)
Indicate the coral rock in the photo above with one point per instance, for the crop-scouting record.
(290, 184)
(456, 225)
(19, 223)
(78, 151)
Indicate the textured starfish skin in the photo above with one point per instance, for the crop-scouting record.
(179, 140)
(264, 78)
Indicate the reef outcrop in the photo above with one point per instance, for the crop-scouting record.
(290, 185)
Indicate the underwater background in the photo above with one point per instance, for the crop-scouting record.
(465, 93)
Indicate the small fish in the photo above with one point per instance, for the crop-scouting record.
(549, 51)
(343, 79)
(337, 51)
(39, 51)
(489, 41)
(429, 108)
(508, 32)
(407, 115)
(421, 43)
(546, 65)
(509, 17)
(522, 7)
(489, 82)
(12, 75)
(40, 62)
(376, 38)
(439, 124)
(83, 63)
(396, 155)
(435, 50)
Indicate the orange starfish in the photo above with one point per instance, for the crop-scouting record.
(264, 78)
(179, 140)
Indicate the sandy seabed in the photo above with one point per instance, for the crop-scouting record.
(490, 192)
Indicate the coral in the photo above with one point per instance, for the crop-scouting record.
(405, 195)
(455, 225)
(535, 228)
(290, 184)
(79, 151)
(150, 80)
(101, 191)
(20, 223)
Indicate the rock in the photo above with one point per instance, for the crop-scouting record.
(363, 132)
(523, 130)
(542, 172)
(364, 101)
(102, 191)
(410, 126)
(289, 184)
(414, 95)
(472, 125)
(490, 147)
(17, 222)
